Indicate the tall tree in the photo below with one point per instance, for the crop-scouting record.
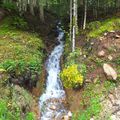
(85, 14)
(73, 22)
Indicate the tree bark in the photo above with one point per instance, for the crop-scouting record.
(41, 14)
(85, 14)
(71, 18)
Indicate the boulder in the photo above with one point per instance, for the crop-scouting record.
(109, 71)
(117, 36)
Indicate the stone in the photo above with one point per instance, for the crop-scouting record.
(88, 81)
(101, 53)
(117, 36)
(101, 38)
(105, 34)
(109, 71)
(53, 107)
(110, 57)
(66, 117)
(112, 31)
(69, 114)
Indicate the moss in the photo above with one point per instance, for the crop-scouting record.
(19, 50)
(97, 28)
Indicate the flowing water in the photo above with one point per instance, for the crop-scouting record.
(52, 101)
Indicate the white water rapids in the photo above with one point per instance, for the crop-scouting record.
(51, 102)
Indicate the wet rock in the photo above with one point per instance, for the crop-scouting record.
(53, 107)
(101, 53)
(109, 71)
(66, 117)
(69, 114)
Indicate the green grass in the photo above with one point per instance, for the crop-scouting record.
(7, 114)
(97, 28)
(19, 50)
(91, 99)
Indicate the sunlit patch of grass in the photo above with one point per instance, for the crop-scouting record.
(97, 28)
(91, 100)
(19, 50)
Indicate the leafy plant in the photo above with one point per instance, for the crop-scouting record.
(71, 77)
(30, 116)
(19, 22)
(97, 28)
(7, 4)
(73, 56)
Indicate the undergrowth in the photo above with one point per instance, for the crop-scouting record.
(97, 28)
(91, 96)
(19, 50)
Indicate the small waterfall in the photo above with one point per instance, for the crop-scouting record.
(51, 102)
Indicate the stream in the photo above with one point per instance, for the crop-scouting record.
(52, 101)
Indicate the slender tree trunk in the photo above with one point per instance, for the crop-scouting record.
(32, 10)
(85, 14)
(74, 24)
(41, 14)
(71, 18)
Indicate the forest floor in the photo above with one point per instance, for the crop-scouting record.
(99, 98)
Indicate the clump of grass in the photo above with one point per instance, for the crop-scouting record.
(91, 99)
(19, 50)
(97, 28)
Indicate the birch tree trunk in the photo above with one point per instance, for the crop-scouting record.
(85, 14)
(71, 18)
(74, 27)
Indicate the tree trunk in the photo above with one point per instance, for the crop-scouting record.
(41, 14)
(85, 14)
(71, 18)
(74, 24)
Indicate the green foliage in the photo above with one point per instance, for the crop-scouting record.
(7, 114)
(30, 116)
(19, 50)
(97, 28)
(94, 25)
(71, 77)
(19, 22)
(72, 57)
(91, 99)
(117, 61)
(7, 4)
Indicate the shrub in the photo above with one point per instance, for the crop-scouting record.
(71, 77)
(30, 116)
(9, 5)
(19, 22)
(94, 25)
